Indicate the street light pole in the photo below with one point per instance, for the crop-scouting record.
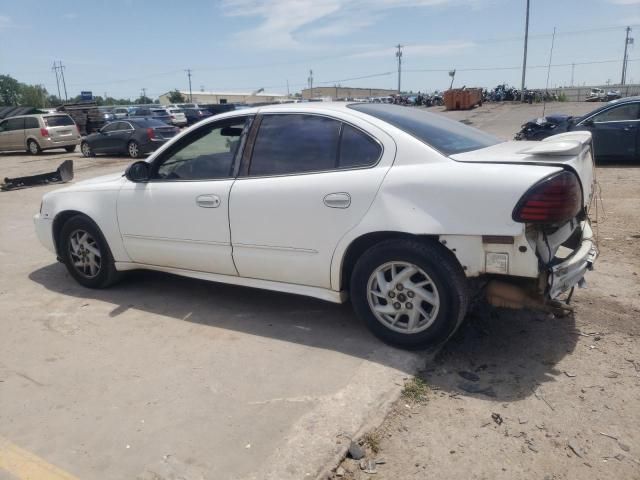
(524, 57)
(399, 55)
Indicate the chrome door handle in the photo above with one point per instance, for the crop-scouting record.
(337, 200)
(208, 201)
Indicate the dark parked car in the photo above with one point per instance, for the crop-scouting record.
(615, 128)
(134, 137)
(155, 113)
(194, 115)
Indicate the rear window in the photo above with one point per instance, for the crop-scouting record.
(445, 135)
(158, 110)
(58, 121)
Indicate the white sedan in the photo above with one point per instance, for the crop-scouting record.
(406, 212)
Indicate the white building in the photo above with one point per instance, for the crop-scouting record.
(226, 97)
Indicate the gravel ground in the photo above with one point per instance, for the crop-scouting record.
(519, 394)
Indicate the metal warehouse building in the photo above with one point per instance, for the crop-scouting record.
(226, 97)
(337, 93)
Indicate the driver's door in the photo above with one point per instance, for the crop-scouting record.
(180, 217)
(103, 142)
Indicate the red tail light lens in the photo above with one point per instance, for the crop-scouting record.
(151, 133)
(44, 132)
(555, 199)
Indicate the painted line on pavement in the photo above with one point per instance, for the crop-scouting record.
(27, 466)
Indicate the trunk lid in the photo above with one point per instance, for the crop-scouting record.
(571, 150)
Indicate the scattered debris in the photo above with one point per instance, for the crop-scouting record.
(497, 418)
(539, 396)
(356, 451)
(612, 374)
(574, 449)
(569, 374)
(368, 466)
(248, 445)
(624, 446)
(340, 472)
(522, 421)
(607, 435)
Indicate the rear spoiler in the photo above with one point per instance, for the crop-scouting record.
(563, 144)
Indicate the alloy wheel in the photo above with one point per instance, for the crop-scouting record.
(133, 150)
(403, 297)
(85, 253)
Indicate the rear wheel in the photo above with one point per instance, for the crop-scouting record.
(86, 150)
(33, 147)
(410, 294)
(133, 149)
(86, 253)
(70, 148)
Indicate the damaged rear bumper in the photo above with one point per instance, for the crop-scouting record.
(570, 272)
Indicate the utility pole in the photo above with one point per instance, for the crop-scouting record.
(288, 94)
(310, 80)
(399, 55)
(524, 57)
(573, 68)
(188, 70)
(64, 84)
(627, 41)
(55, 69)
(144, 93)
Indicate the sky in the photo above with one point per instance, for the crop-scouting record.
(119, 47)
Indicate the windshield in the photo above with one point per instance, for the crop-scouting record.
(445, 135)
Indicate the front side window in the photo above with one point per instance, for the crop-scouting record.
(110, 127)
(15, 124)
(622, 113)
(208, 153)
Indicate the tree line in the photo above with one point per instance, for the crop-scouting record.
(14, 93)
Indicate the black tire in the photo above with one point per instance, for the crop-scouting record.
(447, 279)
(106, 274)
(85, 148)
(133, 149)
(33, 148)
(70, 148)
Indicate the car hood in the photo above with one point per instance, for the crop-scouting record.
(111, 181)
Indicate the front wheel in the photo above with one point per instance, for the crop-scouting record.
(409, 293)
(86, 253)
(133, 149)
(86, 150)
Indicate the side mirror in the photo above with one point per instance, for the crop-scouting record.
(588, 123)
(138, 172)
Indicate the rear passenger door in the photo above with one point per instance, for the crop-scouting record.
(13, 134)
(305, 181)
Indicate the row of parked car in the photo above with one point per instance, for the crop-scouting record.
(179, 115)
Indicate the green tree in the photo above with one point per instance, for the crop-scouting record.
(176, 97)
(143, 100)
(53, 101)
(9, 91)
(33, 96)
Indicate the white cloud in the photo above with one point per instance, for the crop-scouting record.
(5, 22)
(295, 24)
(419, 50)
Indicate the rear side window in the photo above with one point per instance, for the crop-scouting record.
(31, 122)
(445, 135)
(357, 149)
(293, 143)
(58, 121)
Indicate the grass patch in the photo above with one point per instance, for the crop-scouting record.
(372, 440)
(415, 390)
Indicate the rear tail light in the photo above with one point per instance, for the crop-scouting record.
(555, 199)
(151, 134)
(44, 132)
